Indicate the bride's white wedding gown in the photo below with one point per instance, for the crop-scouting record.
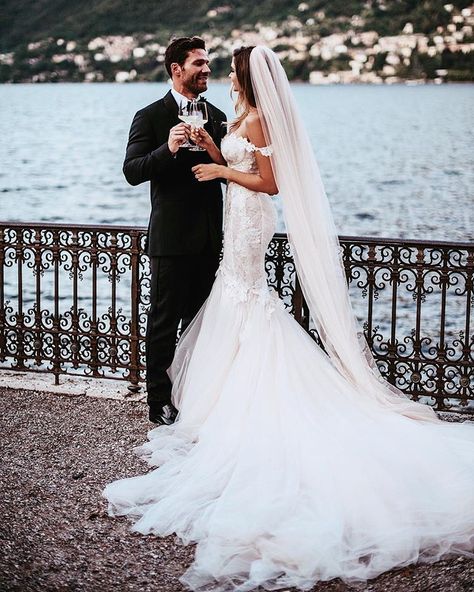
(276, 466)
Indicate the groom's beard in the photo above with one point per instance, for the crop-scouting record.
(197, 84)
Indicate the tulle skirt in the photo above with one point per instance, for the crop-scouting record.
(282, 473)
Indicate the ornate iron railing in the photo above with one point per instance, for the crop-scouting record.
(73, 300)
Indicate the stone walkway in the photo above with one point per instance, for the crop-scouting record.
(58, 452)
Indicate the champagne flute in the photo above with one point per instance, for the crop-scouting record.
(200, 111)
(187, 113)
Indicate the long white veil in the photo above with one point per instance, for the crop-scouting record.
(313, 238)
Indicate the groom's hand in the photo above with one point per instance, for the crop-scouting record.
(178, 135)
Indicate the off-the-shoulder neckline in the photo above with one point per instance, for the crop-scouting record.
(247, 141)
(236, 135)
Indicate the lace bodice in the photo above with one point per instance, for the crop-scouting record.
(240, 153)
(249, 224)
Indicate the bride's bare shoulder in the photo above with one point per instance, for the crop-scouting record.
(254, 129)
(253, 119)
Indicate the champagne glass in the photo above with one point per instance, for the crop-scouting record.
(199, 109)
(187, 113)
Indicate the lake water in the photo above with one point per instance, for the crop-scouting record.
(397, 161)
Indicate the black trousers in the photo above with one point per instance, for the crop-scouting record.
(179, 286)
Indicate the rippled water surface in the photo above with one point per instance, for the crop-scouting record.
(397, 160)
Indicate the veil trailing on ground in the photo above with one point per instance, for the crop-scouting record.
(313, 238)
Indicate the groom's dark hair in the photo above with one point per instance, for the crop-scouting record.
(177, 51)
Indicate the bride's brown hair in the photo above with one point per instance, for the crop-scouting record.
(246, 98)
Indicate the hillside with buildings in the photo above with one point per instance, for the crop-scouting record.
(331, 41)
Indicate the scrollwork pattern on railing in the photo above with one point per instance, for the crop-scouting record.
(74, 300)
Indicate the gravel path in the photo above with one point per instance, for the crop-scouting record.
(58, 453)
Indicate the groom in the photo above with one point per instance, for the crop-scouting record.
(184, 236)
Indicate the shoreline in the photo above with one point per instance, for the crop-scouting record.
(404, 82)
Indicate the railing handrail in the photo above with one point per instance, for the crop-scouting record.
(104, 334)
(342, 237)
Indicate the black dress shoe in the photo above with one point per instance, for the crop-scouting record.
(163, 415)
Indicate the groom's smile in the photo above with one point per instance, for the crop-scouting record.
(195, 72)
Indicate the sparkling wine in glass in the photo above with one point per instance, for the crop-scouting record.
(200, 110)
(187, 113)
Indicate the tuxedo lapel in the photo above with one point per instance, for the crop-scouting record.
(210, 126)
(213, 125)
(171, 108)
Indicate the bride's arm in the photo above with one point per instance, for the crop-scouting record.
(263, 181)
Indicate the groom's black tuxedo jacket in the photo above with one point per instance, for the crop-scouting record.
(185, 214)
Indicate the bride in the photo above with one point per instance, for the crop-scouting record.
(287, 465)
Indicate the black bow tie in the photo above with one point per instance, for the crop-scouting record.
(198, 100)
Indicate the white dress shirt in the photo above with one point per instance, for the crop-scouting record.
(179, 98)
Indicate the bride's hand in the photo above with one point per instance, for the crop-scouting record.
(208, 172)
(200, 137)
